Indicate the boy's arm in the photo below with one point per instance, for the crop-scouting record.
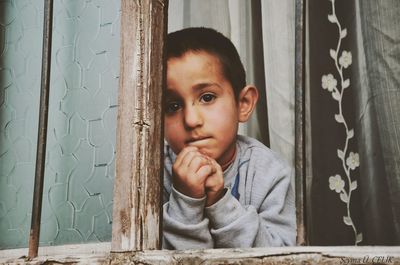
(271, 224)
(184, 223)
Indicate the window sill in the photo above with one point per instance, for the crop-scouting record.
(99, 254)
(77, 252)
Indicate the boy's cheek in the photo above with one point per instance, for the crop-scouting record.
(172, 129)
(174, 139)
(175, 145)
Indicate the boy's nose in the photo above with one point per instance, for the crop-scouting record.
(192, 117)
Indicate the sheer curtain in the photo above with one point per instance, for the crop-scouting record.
(263, 33)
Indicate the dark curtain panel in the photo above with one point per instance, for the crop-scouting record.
(327, 209)
(378, 120)
(356, 198)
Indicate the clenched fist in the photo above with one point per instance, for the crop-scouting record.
(197, 175)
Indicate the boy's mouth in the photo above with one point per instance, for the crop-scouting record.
(197, 141)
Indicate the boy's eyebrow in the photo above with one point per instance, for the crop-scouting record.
(201, 86)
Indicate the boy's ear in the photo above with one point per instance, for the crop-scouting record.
(247, 102)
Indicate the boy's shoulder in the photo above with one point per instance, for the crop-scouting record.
(260, 155)
(253, 147)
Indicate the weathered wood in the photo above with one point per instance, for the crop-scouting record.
(137, 188)
(299, 121)
(34, 233)
(100, 249)
(284, 255)
(92, 253)
(308, 149)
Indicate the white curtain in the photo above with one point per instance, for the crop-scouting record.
(249, 24)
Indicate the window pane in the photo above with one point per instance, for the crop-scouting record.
(77, 197)
(20, 49)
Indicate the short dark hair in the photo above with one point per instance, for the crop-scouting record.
(213, 42)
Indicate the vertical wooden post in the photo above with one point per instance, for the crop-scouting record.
(137, 188)
(299, 121)
(34, 234)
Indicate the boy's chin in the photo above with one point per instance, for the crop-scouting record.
(206, 152)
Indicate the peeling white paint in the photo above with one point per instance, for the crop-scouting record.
(125, 242)
(152, 220)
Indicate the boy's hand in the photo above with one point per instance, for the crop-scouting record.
(190, 172)
(214, 184)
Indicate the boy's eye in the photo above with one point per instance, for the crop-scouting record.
(173, 107)
(207, 98)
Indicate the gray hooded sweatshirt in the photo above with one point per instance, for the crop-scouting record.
(257, 209)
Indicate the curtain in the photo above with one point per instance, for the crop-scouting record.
(378, 119)
(353, 83)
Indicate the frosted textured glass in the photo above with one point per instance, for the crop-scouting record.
(77, 197)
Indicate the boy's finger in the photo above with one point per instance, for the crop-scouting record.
(183, 153)
(215, 181)
(197, 161)
(210, 183)
(204, 171)
(216, 167)
(188, 158)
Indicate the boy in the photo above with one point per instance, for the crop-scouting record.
(220, 189)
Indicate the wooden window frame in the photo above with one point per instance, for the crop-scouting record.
(137, 215)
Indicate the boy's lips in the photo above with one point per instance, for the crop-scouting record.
(197, 141)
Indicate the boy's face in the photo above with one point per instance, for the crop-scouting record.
(201, 109)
